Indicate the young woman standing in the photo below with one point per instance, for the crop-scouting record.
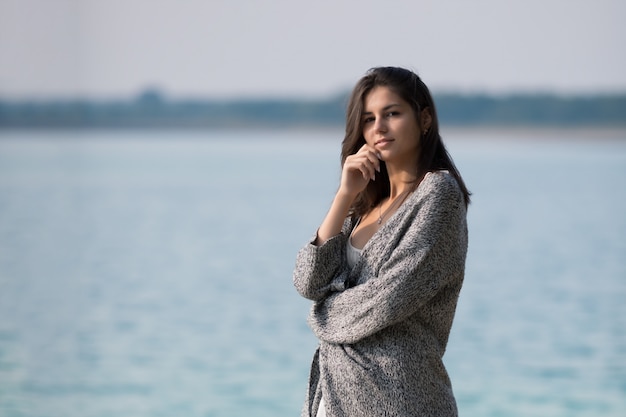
(386, 266)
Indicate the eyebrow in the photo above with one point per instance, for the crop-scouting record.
(387, 107)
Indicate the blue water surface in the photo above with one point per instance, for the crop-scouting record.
(149, 273)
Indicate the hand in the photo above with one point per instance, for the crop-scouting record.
(359, 169)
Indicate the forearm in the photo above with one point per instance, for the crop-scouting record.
(334, 220)
(357, 171)
(319, 269)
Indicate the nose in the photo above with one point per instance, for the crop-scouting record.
(380, 124)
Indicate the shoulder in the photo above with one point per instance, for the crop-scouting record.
(440, 179)
(440, 185)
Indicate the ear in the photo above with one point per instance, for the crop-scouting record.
(426, 118)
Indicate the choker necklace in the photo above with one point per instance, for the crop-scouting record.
(400, 198)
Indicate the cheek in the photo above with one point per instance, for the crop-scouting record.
(415, 132)
(367, 135)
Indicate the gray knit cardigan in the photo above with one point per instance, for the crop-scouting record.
(384, 325)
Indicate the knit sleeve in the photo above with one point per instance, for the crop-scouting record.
(321, 270)
(429, 254)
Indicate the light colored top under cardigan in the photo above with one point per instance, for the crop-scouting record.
(383, 326)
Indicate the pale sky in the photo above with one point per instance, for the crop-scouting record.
(290, 48)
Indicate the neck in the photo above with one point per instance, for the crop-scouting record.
(400, 181)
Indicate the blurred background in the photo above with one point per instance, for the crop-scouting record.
(161, 163)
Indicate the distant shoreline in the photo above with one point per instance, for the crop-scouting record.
(618, 132)
(150, 110)
(486, 133)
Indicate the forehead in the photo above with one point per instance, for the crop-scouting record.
(380, 97)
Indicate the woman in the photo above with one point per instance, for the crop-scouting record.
(387, 263)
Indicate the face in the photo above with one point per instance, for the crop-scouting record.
(390, 126)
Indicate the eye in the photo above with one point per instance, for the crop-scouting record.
(392, 113)
(368, 120)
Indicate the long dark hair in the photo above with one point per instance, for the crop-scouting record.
(432, 152)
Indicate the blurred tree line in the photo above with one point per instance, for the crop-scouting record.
(151, 109)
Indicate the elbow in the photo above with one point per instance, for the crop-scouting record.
(308, 291)
(310, 294)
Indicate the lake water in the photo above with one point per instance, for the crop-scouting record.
(149, 273)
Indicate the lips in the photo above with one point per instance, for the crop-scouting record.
(383, 142)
